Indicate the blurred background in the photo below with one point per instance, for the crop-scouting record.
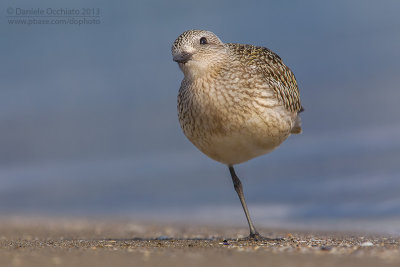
(88, 119)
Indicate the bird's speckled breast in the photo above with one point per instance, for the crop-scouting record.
(232, 119)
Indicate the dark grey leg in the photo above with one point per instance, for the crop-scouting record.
(239, 190)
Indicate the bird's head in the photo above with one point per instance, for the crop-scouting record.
(196, 51)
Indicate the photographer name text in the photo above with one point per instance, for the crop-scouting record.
(82, 12)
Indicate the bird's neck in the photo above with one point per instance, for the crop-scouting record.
(198, 70)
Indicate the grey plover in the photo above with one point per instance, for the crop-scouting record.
(236, 101)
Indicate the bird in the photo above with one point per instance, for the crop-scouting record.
(236, 101)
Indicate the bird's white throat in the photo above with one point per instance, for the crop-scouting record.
(194, 69)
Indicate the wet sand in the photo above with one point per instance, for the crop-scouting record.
(73, 242)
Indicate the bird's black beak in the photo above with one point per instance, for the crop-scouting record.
(182, 58)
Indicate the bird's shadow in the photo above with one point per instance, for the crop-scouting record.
(166, 238)
(162, 238)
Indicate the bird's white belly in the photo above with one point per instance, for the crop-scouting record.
(242, 144)
(237, 148)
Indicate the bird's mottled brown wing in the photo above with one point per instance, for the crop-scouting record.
(278, 76)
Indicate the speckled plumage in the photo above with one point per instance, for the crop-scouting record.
(236, 102)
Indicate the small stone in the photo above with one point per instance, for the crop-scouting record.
(367, 244)
(326, 248)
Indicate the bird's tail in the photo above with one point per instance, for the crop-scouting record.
(296, 129)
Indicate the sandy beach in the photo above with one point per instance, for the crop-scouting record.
(73, 242)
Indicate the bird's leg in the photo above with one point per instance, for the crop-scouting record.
(254, 235)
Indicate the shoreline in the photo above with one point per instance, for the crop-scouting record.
(80, 242)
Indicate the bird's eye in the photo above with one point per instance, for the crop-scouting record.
(203, 40)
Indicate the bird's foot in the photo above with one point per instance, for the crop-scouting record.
(258, 237)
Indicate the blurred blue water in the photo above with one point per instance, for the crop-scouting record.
(88, 113)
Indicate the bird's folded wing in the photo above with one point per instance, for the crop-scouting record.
(280, 78)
